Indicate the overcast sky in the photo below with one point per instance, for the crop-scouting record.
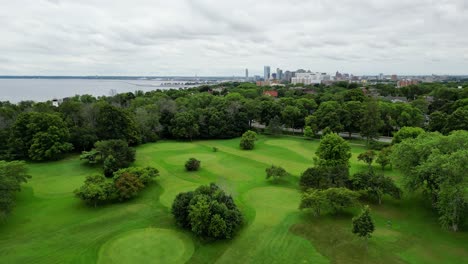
(217, 37)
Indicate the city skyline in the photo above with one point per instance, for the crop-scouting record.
(216, 38)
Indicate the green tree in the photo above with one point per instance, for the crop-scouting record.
(367, 157)
(308, 132)
(375, 185)
(110, 166)
(437, 121)
(122, 155)
(333, 150)
(96, 189)
(268, 110)
(39, 136)
(314, 200)
(329, 115)
(371, 122)
(147, 121)
(145, 175)
(208, 212)
(458, 120)
(437, 164)
(323, 177)
(332, 200)
(340, 198)
(12, 174)
(292, 116)
(275, 172)
(217, 228)
(192, 164)
(115, 123)
(184, 126)
(248, 140)
(180, 209)
(363, 225)
(407, 132)
(127, 186)
(49, 145)
(384, 157)
(312, 122)
(274, 126)
(353, 112)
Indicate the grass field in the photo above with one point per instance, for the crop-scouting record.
(50, 225)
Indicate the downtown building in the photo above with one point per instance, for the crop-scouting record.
(308, 78)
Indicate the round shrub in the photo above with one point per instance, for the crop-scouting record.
(192, 164)
(208, 212)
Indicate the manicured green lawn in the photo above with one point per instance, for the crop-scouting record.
(50, 225)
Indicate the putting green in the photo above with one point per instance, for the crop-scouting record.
(149, 245)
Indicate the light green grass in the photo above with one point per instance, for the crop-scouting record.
(147, 245)
(50, 225)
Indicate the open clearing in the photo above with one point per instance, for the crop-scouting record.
(50, 225)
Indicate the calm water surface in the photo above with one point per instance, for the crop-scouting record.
(15, 90)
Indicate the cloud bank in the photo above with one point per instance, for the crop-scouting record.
(217, 37)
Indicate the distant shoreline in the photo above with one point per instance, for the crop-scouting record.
(162, 78)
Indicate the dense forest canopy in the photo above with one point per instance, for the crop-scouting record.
(40, 131)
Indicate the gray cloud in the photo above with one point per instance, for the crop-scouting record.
(212, 37)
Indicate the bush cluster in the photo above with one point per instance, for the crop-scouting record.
(208, 212)
(125, 184)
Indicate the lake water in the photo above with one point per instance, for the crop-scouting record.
(16, 90)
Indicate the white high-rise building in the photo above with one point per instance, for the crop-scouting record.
(309, 78)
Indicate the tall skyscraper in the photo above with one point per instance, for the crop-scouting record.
(279, 74)
(266, 73)
(246, 73)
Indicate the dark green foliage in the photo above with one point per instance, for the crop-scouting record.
(333, 150)
(437, 164)
(292, 117)
(458, 120)
(12, 174)
(363, 225)
(113, 154)
(115, 123)
(332, 200)
(323, 177)
(208, 212)
(39, 136)
(110, 166)
(407, 132)
(353, 115)
(308, 132)
(184, 126)
(329, 114)
(274, 126)
(375, 185)
(192, 164)
(367, 157)
(96, 189)
(119, 149)
(127, 186)
(248, 140)
(384, 157)
(371, 121)
(145, 175)
(180, 208)
(437, 121)
(275, 172)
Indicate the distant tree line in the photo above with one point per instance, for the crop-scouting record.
(40, 131)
